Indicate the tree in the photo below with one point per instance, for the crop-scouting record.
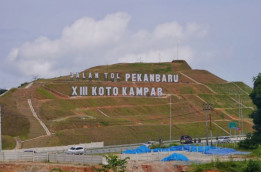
(115, 164)
(256, 98)
(254, 139)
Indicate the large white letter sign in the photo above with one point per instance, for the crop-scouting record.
(101, 91)
(94, 91)
(146, 91)
(115, 91)
(139, 91)
(159, 90)
(108, 90)
(176, 78)
(74, 91)
(124, 91)
(127, 77)
(83, 91)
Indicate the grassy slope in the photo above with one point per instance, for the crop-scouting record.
(136, 119)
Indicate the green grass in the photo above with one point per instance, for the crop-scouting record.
(13, 123)
(8, 142)
(219, 101)
(42, 93)
(227, 88)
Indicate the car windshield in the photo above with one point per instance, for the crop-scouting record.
(72, 148)
(79, 148)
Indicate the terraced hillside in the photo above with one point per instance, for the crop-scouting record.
(123, 119)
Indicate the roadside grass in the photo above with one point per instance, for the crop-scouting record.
(203, 76)
(228, 88)
(245, 99)
(42, 93)
(219, 101)
(224, 124)
(244, 87)
(8, 142)
(13, 123)
(245, 111)
(226, 166)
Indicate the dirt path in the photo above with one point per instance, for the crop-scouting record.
(21, 95)
(48, 133)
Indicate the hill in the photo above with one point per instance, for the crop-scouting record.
(120, 118)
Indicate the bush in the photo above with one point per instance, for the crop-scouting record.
(252, 166)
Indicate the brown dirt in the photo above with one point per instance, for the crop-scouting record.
(48, 167)
(42, 167)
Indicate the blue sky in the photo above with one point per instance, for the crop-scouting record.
(55, 37)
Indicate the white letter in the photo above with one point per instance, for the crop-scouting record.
(169, 78)
(115, 91)
(131, 92)
(108, 90)
(153, 92)
(118, 76)
(139, 91)
(176, 78)
(96, 75)
(112, 76)
(94, 91)
(83, 91)
(90, 75)
(146, 91)
(127, 77)
(105, 76)
(139, 78)
(159, 90)
(157, 77)
(101, 91)
(74, 91)
(163, 78)
(151, 77)
(133, 77)
(145, 79)
(124, 91)
(77, 75)
(83, 75)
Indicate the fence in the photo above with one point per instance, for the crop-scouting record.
(51, 157)
(60, 148)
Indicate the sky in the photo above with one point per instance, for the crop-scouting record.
(50, 38)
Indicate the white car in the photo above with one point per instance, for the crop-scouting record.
(149, 143)
(224, 139)
(77, 150)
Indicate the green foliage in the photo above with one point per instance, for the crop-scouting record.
(115, 164)
(2, 91)
(23, 84)
(252, 166)
(256, 92)
(228, 166)
(8, 142)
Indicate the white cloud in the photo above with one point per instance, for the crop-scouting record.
(89, 42)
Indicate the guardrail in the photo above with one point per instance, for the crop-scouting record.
(51, 157)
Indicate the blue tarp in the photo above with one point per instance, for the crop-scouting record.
(224, 151)
(190, 148)
(175, 157)
(139, 150)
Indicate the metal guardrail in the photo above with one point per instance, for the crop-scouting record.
(50, 157)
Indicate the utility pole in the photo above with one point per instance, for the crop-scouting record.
(207, 107)
(170, 118)
(0, 130)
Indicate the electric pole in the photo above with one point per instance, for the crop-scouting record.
(207, 107)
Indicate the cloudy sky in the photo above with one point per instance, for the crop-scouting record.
(55, 37)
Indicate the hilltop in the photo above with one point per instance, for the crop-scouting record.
(122, 119)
